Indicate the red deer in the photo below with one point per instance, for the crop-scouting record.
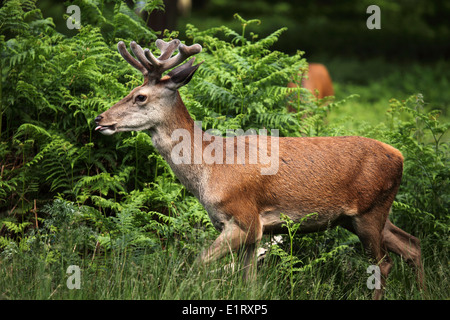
(317, 80)
(346, 181)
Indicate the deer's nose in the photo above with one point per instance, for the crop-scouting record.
(98, 118)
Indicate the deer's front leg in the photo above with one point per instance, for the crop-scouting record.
(231, 239)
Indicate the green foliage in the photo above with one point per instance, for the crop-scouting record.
(290, 259)
(424, 198)
(242, 82)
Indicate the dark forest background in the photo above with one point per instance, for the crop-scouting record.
(410, 29)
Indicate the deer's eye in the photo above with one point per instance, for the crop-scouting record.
(141, 98)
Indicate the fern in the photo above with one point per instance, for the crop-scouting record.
(12, 16)
(15, 227)
(243, 76)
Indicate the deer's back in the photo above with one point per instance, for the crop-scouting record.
(333, 176)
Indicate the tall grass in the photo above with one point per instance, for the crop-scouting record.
(172, 274)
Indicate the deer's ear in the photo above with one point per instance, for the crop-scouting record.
(181, 75)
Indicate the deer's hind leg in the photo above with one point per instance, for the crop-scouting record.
(369, 229)
(406, 246)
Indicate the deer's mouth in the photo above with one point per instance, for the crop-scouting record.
(108, 130)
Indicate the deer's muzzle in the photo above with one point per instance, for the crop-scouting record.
(107, 129)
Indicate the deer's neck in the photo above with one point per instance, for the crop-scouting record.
(179, 139)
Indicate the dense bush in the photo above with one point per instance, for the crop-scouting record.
(70, 195)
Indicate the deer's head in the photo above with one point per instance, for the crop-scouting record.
(149, 104)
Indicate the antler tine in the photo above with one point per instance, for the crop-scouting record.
(184, 52)
(162, 65)
(153, 67)
(167, 48)
(139, 53)
(129, 58)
